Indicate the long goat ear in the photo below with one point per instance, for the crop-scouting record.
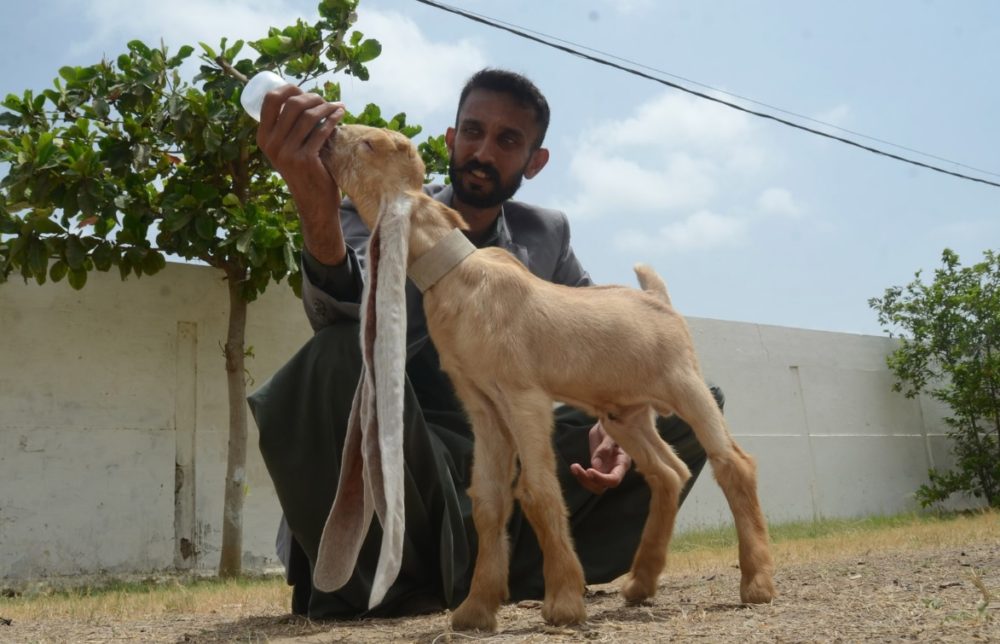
(390, 386)
(378, 417)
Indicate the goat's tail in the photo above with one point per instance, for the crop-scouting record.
(650, 281)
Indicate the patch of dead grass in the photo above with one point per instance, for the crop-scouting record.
(912, 578)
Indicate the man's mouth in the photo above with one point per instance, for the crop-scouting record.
(481, 172)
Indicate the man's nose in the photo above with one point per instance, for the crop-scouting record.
(485, 152)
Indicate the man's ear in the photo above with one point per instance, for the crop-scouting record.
(449, 140)
(537, 161)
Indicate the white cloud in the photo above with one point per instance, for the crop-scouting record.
(675, 154)
(673, 121)
(778, 201)
(178, 22)
(409, 75)
(413, 73)
(703, 230)
(666, 172)
(615, 183)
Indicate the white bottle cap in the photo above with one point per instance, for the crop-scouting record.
(252, 97)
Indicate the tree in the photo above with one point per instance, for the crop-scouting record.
(950, 348)
(123, 163)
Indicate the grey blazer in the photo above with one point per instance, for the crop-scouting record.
(538, 237)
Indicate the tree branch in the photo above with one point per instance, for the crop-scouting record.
(229, 69)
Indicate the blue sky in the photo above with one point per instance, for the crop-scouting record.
(747, 220)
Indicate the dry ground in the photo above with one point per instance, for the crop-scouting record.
(937, 582)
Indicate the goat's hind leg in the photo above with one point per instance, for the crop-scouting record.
(493, 471)
(529, 417)
(736, 473)
(665, 474)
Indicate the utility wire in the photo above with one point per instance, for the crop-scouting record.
(522, 33)
(742, 98)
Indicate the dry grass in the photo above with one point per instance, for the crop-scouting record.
(802, 543)
(921, 578)
(151, 598)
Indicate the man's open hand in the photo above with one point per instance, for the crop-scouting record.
(608, 463)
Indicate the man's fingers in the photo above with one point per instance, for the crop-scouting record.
(332, 113)
(270, 109)
(596, 481)
(299, 118)
(291, 115)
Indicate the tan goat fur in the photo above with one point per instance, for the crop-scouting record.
(511, 344)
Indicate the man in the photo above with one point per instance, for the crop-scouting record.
(302, 411)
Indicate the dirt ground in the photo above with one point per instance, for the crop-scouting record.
(927, 595)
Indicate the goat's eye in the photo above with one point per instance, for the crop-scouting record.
(369, 144)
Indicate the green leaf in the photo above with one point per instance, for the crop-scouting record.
(46, 226)
(206, 227)
(209, 52)
(182, 53)
(77, 278)
(68, 73)
(38, 257)
(75, 252)
(139, 47)
(243, 241)
(10, 120)
(275, 45)
(153, 262)
(103, 257)
(45, 148)
(124, 266)
(177, 219)
(58, 270)
(234, 51)
(101, 108)
(369, 50)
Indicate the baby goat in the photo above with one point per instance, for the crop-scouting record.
(511, 344)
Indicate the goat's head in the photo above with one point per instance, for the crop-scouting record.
(371, 164)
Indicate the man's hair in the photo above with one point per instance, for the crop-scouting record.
(517, 87)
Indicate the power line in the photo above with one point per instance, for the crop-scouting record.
(734, 95)
(576, 51)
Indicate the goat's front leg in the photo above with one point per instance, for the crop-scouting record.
(493, 470)
(529, 418)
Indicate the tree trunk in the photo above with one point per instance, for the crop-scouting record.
(231, 559)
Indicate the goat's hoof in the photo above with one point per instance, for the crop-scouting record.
(758, 589)
(473, 617)
(565, 612)
(635, 590)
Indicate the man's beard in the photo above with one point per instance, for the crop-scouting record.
(500, 193)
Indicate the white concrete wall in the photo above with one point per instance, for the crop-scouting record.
(112, 397)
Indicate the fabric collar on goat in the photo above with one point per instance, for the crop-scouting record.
(439, 260)
(371, 470)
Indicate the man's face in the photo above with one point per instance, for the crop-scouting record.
(492, 149)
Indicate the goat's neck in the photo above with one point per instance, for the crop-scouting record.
(430, 222)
